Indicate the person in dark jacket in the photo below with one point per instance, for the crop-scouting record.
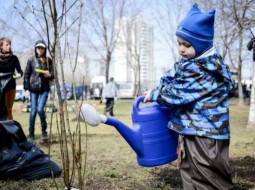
(38, 74)
(8, 64)
(197, 92)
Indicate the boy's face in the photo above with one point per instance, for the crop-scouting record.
(186, 50)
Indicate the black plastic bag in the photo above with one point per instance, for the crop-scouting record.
(21, 159)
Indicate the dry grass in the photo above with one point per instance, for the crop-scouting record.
(112, 164)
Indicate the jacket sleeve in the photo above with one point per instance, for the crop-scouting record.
(18, 67)
(27, 74)
(188, 85)
(51, 69)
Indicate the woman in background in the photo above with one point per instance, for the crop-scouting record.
(8, 64)
(38, 74)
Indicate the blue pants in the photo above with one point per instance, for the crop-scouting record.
(38, 102)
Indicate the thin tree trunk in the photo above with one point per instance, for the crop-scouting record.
(251, 119)
(107, 66)
(240, 89)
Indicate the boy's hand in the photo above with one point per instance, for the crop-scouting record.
(147, 96)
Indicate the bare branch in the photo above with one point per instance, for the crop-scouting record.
(64, 13)
(28, 22)
(61, 35)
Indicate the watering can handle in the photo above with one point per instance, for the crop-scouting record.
(136, 103)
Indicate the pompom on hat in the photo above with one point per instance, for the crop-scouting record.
(198, 29)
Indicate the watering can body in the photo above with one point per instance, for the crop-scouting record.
(154, 143)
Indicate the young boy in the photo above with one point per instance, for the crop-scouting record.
(198, 96)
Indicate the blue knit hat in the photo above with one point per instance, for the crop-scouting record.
(198, 29)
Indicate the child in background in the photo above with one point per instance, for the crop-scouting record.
(197, 92)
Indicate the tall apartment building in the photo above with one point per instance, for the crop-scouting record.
(134, 47)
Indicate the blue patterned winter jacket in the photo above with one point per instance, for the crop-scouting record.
(197, 92)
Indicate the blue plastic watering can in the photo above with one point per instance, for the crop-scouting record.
(149, 137)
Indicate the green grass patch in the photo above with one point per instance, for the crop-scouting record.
(112, 164)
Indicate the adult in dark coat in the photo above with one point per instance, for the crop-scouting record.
(8, 64)
(38, 74)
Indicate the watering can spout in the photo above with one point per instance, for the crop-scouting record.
(132, 135)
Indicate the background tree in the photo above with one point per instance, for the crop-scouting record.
(133, 54)
(52, 25)
(130, 39)
(101, 32)
(167, 15)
